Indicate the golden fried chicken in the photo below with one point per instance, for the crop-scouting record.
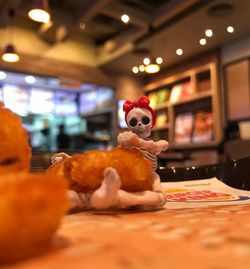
(31, 207)
(135, 171)
(85, 171)
(15, 152)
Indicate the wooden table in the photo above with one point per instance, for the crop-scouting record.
(215, 237)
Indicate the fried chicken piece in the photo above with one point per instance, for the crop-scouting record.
(15, 153)
(31, 207)
(85, 171)
(134, 170)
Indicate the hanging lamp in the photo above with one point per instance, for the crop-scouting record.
(9, 54)
(40, 11)
(152, 65)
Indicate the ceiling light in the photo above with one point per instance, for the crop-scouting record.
(179, 51)
(159, 60)
(203, 41)
(30, 79)
(2, 75)
(230, 29)
(142, 68)
(209, 33)
(82, 25)
(146, 61)
(40, 11)
(125, 18)
(135, 69)
(152, 68)
(10, 54)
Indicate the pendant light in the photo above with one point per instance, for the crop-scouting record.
(40, 11)
(151, 64)
(152, 67)
(10, 55)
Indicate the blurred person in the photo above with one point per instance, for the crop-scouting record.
(63, 140)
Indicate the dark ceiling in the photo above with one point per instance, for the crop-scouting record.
(156, 25)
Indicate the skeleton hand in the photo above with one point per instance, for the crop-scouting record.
(130, 139)
(160, 146)
(127, 139)
(59, 157)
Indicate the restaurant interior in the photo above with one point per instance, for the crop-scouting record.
(67, 67)
(71, 72)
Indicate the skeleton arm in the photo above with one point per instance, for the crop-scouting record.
(159, 146)
(130, 139)
(59, 157)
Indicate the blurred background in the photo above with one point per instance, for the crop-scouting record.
(67, 67)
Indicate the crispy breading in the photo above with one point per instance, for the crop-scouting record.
(15, 153)
(134, 170)
(84, 172)
(31, 207)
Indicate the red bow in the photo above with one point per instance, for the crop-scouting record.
(142, 102)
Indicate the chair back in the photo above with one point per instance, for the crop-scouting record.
(235, 173)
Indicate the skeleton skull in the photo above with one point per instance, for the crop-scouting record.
(139, 121)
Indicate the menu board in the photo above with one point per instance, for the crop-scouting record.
(41, 101)
(1, 95)
(66, 103)
(88, 102)
(16, 99)
(104, 98)
(88, 87)
(121, 114)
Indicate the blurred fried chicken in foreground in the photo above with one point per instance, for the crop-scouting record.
(15, 152)
(31, 205)
(31, 208)
(85, 171)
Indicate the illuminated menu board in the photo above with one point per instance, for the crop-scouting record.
(41, 101)
(16, 99)
(88, 102)
(105, 98)
(1, 95)
(121, 114)
(66, 103)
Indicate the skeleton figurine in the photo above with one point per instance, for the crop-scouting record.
(140, 119)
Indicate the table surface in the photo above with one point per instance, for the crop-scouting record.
(216, 237)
